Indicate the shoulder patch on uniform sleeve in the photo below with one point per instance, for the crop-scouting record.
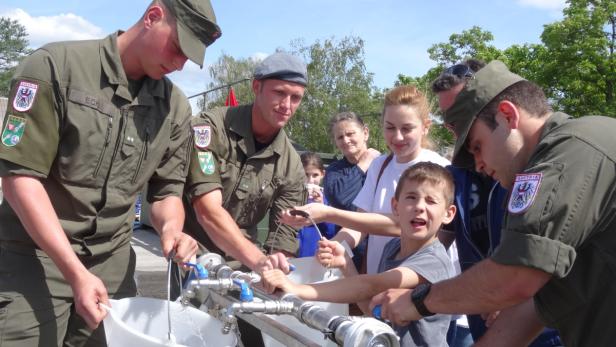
(13, 130)
(202, 135)
(524, 191)
(206, 162)
(24, 97)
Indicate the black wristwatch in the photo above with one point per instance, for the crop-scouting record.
(418, 295)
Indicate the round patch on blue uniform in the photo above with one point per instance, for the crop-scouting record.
(206, 162)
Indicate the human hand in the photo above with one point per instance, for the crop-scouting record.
(490, 317)
(331, 254)
(185, 247)
(277, 279)
(366, 158)
(315, 193)
(318, 213)
(277, 260)
(396, 306)
(88, 292)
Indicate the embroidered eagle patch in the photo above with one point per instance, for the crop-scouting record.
(24, 97)
(202, 135)
(524, 191)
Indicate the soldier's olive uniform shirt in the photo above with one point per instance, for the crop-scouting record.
(562, 220)
(252, 181)
(93, 144)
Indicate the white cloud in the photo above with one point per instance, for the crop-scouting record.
(544, 4)
(65, 26)
(191, 80)
(259, 56)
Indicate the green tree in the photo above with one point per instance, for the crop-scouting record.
(225, 71)
(337, 81)
(472, 43)
(580, 74)
(13, 47)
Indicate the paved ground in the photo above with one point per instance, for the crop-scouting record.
(151, 273)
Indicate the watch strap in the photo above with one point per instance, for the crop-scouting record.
(418, 295)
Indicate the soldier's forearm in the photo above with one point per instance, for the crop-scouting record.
(223, 230)
(30, 201)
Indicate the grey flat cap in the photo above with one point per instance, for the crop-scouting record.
(282, 66)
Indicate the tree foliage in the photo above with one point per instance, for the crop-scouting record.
(338, 81)
(229, 71)
(13, 47)
(575, 64)
(580, 74)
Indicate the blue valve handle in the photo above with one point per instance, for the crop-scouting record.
(200, 270)
(376, 312)
(246, 294)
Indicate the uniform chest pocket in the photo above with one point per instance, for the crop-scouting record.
(253, 197)
(87, 130)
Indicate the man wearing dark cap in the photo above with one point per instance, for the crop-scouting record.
(244, 167)
(558, 242)
(89, 123)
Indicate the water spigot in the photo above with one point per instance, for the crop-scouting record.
(246, 294)
(229, 320)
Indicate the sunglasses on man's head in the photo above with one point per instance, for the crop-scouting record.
(460, 70)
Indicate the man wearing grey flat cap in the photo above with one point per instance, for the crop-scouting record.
(243, 167)
(89, 124)
(557, 256)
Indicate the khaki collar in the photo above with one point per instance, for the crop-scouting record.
(113, 68)
(240, 122)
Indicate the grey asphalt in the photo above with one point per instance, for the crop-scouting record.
(151, 271)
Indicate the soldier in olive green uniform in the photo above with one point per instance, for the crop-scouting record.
(88, 125)
(558, 245)
(244, 166)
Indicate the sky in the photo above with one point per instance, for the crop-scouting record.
(396, 33)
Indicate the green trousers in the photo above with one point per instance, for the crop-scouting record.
(36, 304)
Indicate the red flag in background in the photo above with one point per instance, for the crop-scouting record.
(231, 100)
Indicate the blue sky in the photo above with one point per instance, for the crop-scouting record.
(397, 33)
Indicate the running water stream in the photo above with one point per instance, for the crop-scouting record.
(170, 335)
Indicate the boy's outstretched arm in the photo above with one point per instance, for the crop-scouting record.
(360, 288)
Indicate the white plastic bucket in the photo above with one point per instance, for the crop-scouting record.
(308, 270)
(142, 322)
